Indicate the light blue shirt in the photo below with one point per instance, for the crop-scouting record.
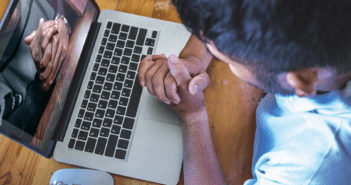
(303, 140)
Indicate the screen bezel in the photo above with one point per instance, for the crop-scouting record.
(49, 152)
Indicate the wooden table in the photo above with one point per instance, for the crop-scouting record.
(231, 105)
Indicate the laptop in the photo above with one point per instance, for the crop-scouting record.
(107, 121)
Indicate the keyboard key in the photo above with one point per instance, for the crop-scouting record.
(123, 36)
(99, 80)
(131, 75)
(83, 135)
(111, 145)
(90, 86)
(104, 132)
(125, 28)
(125, 134)
(102, 71)
(79, 145)
(122, 69)
(108, 54)
(110, 77)
(102, 104)
(133, 33)
(110, 46)
(101, 50)
(115, 60)
(108, 86)
(152, 42)
(84, 103)
(100, 147)
(117, 86)
(96, 67)
(133, 66)
(142, 57)
(97, 123)
(123, 144)
(105, 63)
(81, 113)
(113, 69)
(110, 113)
(109, 24)
(149, 51)
(120, 44)
(128, 123)
(93, 75)
(112, 104)
(71, 143)
(90, 145)
(120, 154)
(115, 95)
(74, 133)
(141, 37)
(107, 32)
(123, 101)
(91, 107)
(98, 58)
(135, 58)
(115, 129)
(125, 60)
(154, 34)
(120, 77)
(112, 38)
(121, 110)
(130, 44)
(138, 49)
(97, 88)
(118, 52)
(127, 52)
(126, 92)
(88, 116)
(104, 41)
(134, 99)
(78, 122)
(115, 28)
(85, 125)
(94, 132)
(118, 120)
(128, 83)
(147, 42)
(107, 122)
(94, 98)
(105, 95)
(100, 113)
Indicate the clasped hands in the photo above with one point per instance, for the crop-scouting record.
(48, 46)
(177, 82)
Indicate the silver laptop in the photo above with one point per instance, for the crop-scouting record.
(108, 121)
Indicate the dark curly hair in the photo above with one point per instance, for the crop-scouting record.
(274, 35)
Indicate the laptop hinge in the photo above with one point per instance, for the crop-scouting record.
(77, 80)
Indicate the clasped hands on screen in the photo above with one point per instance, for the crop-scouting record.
(48, 46)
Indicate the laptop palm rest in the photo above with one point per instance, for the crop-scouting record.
(159, 111)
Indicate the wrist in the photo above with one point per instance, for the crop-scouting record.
(62, 18)
(194, 116)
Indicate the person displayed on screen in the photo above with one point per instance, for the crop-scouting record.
(298, 53)
(28, 72)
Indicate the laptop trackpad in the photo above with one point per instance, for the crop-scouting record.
(157, 110)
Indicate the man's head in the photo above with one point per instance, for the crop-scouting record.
(283, 46)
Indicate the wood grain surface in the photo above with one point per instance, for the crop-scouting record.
(3, 6)
(231, 105)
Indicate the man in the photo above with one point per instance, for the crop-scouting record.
(28, 73)
(298, 52)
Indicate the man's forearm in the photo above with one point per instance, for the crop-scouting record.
(201, 165)
(196, 49)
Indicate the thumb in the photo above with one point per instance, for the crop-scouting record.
(178, 71)
(199, 83)
(30, 37)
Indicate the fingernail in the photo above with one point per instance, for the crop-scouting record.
(168, 102)
(173, 60)
(50, 82)
(142, 83)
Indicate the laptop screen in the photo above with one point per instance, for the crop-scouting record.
(30, 111)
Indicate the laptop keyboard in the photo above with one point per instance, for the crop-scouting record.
(106, 119)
